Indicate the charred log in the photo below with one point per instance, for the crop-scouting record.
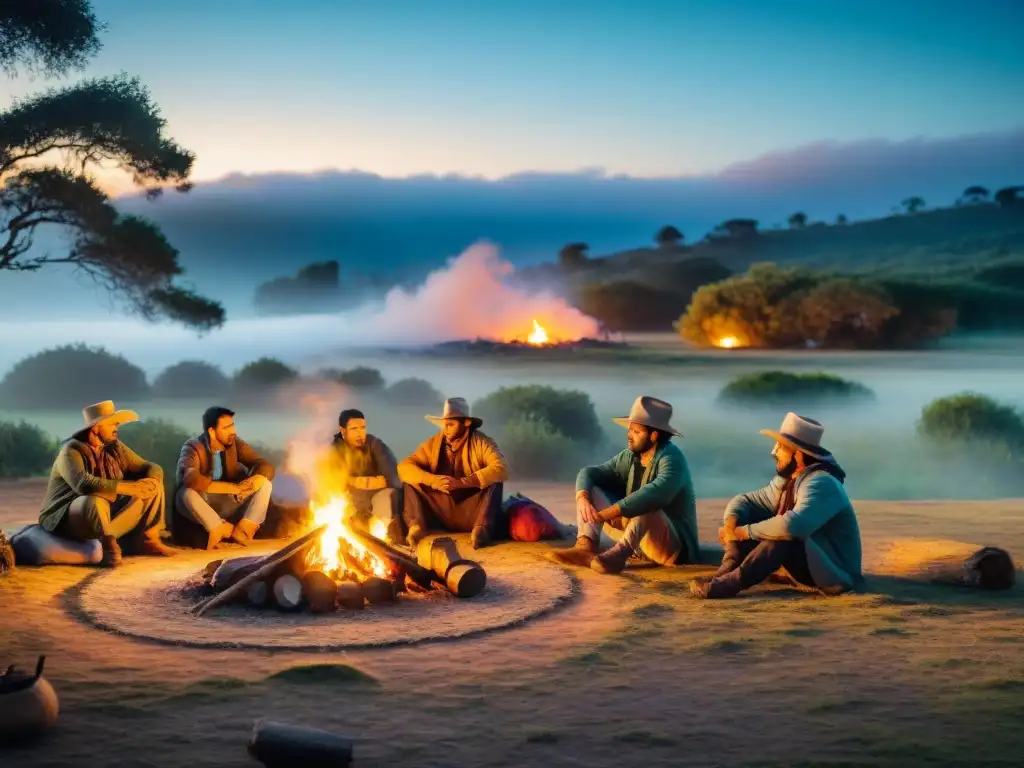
(321, 591)
(288, 593)
(350, 595)
(279, 745)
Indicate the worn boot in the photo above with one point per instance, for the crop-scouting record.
(717, 588)
(416, 535)
(480, 538)
(152, 544)
(580, 555)
(218, 534)
(613, 561)
(244, 532)
(111, 552)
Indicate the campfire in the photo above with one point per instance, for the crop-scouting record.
(539, 337)
(340, 565)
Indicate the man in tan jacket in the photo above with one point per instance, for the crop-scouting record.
(454, 480)
(100, 488)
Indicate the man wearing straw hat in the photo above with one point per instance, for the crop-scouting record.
(802, 522)
(454, 480)
(100, 488)
(643, 496)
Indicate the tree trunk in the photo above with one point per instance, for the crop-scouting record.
(288, 593)
(279, 745)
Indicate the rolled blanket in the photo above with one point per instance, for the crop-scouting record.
(941, 561)
(34, 545)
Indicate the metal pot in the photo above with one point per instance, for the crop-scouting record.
(28, 704)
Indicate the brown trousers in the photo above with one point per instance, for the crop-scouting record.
(126, 518)
(459, 511)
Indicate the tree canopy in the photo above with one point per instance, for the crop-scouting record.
(53, 142)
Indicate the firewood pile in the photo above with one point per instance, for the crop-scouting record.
(289, 580)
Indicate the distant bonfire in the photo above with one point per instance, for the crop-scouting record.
(491, 347)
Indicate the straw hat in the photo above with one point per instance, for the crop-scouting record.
(105, 411)
(800, 434)
(651, 412)
(455, 408)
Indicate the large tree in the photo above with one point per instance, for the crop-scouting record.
(51, 145)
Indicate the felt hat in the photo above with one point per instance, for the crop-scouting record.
(652, 413)
(800, 434)
(105, 411)
(455, 408)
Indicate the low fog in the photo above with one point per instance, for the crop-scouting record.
(470, 298)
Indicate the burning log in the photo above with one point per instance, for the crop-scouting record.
(257, 594)
(377, 590)
(281, 745)
(463, 577)
(321, 591)
(350, 595)
(268, 564)
(288, 593)
(420, 575)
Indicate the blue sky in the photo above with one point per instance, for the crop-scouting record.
(649, 88)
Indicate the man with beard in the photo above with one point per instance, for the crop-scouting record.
(100, 488)
(222, 482)
(643, 497)
(454, 480)
(368, 470)
(802, 522)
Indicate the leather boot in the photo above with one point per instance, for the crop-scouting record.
(153, 545)
(480, 538)
(717, 588)
(111, 552)
(580, 555)
(244, 532)
(613, 561)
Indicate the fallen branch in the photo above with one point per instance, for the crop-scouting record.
(279, 744)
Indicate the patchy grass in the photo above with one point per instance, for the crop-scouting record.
(323, 674)
(803, 631)
(543, 737)
(894, 631)
(645, 738)
(652, 610)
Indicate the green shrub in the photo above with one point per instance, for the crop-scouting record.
(570, 412)
(25, 450)
(360, 377)
(971, 417)
(72, 376)
(413, 392)
(191, 379)
(159, 441)
(264, 374)
(535, 450)
(782, 388)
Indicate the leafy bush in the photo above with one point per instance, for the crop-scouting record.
(72, 376)
(971, 417)
(537, 451)
(627, 305)
(264, 374)
(159, 441)
(570, 412)
(777, 388)
(360, 377)
(414, 392)
(25, 450)
(191, 379)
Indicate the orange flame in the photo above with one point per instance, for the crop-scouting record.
(338, 538)
(539, 336)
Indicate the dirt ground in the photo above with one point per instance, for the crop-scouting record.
(633, 672)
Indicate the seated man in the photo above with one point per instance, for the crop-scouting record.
(643, 496)
(100, 488)
(369, 471)
(454, 480)
(222, 482)
(802, 521)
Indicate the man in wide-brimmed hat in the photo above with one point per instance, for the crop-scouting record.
(802, 522)
(643, 496)
(100, 488)
(454, 480)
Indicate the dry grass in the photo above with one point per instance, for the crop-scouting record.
(634, 672)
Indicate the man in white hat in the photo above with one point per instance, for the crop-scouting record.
(802, 521)
(454, 480)
(643, 496)
(100, 488)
